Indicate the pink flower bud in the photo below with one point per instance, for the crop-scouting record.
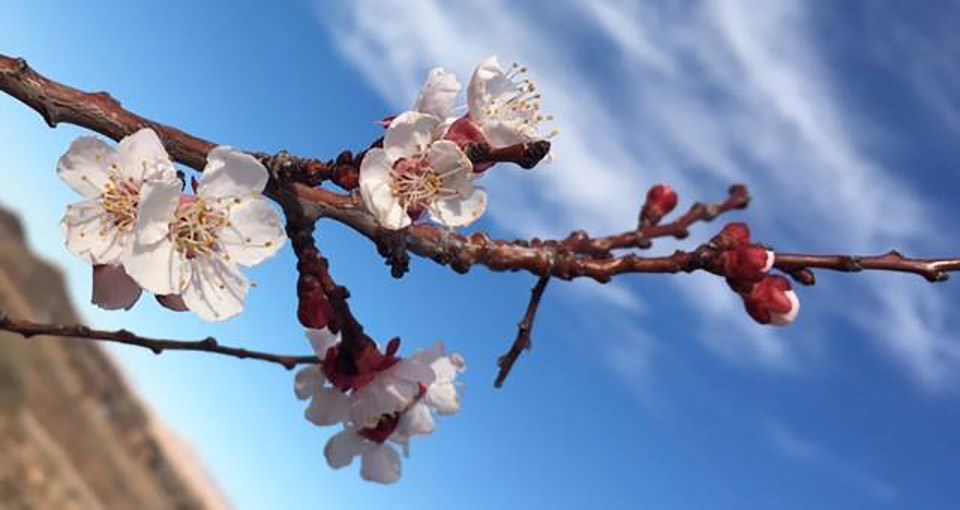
(733, 235)
(772, 301)
(661, 200)
(749, 263)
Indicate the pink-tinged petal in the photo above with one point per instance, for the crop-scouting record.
(342, 447)
(157, 209)
(439, 94)
(172, 302)
(408, 135)
(308, 382)
(90, 233)
(85, 167)
(417, 421)
(231, 173)
(321, 340)
(785, 319)
(463, 132)
(412, 370)
(157, 267)
(216, 289)
(380, 464)
(329, 406)
(375, 190)
(460, 211)
(142, 158)
(255, 232)
(113, 289)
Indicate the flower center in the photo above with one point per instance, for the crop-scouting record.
(519, 104)
(120, 199)
(196, 228)
(417, 185)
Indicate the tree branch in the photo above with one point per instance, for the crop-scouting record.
(523, 341)
(29, 329)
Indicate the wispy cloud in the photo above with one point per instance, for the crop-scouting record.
(696, 93)
(815, 456)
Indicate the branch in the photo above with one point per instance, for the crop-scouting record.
(523, 341)
(29, 329)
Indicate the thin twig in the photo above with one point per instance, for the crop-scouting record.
(29, 329)
(523, 341)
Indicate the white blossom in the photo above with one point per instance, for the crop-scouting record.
(193, 246)
(390, 392)
(505, 105)
(438, 97)
(328, 404)
(100, 229)
(379, 462)
(414, 173)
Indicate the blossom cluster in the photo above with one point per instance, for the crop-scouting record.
(768, 299)
(422, 167)
(378, 399)
(139, 230)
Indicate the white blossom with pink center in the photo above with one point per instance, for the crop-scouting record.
(414, 173)
(194, 246)
(101, 228)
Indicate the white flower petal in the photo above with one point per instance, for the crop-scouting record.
(216, 289)
(378, 398)
(409, 134)
(505, 134)
(308, 381)
(85, 166)
(412, 370)
(439, 94)
(417, 421)
(158, 205)
(460, 211)
(381, 464)
(329, 406)
(157, 267)
(342, 447)
(255, 232)
(113, 289)
(142, 157)
(446, 158)
(375, 190)
(443, 397)
(91, 234)
(231, 173)
(321, 340)
(480, 83)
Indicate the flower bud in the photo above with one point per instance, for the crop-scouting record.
(733, 235)
(315, 311)
(661, 200)
(749, 263)
(772, 301)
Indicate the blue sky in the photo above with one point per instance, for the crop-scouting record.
(653, 392)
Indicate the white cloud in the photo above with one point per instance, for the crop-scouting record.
(696, 93)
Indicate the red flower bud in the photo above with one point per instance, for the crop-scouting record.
(733, 235)
(661, 200)
(348, 178)
(747, 263)
(772, 301)
(315, 311)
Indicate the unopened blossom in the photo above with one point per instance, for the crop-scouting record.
(503, 108)
(414, 174)
(661, 200)
(100, 229)
(748, 264)
(194, 245)
(772, 301)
